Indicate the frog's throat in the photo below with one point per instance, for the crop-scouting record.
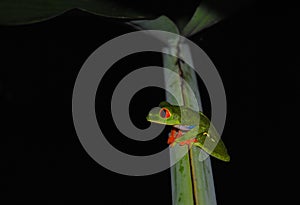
(184, 127)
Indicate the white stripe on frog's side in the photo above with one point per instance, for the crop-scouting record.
(184, 128)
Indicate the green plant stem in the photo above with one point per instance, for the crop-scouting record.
(192, 180)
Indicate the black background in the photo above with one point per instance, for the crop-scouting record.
(44, 161)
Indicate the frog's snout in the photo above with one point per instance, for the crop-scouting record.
(147, 118)
(153, 115)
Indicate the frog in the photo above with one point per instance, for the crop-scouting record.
(190, 127)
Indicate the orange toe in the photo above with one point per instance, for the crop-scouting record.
(179, 134)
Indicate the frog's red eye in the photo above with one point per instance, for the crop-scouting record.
(165, 113)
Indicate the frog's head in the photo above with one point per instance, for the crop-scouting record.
(165, 114)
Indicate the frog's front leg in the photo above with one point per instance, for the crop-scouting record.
(172, 136)
(175, 133)
(186, 138)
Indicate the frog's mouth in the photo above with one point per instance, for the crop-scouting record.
(157, 122)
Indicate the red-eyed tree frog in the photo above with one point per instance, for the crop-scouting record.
(200, 132)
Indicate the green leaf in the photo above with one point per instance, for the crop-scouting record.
(210, 12)
(30, 11)
(203, 17)
(162, 23)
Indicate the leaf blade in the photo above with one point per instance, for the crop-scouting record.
(203, 17)
(210, 12)
(16, 12)
(162, 23)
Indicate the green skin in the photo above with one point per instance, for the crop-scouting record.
(181, 116)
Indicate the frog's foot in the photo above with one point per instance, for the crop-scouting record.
(179, 134)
